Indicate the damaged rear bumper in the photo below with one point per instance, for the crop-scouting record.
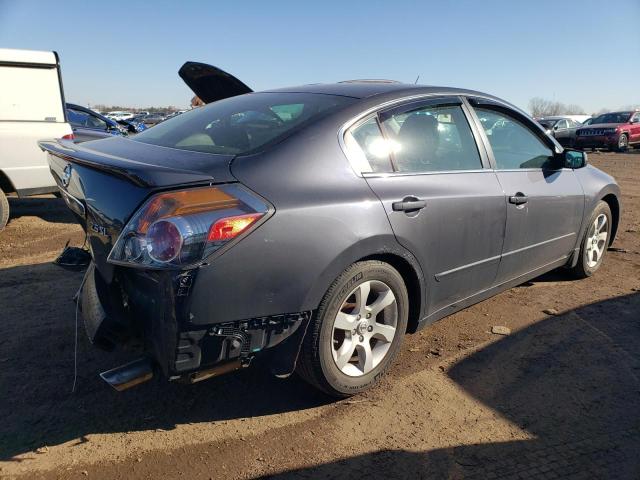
(151, 315)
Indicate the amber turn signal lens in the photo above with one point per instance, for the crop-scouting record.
(230, 227)
(185, 202)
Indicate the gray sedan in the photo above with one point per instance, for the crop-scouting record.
(310, 228)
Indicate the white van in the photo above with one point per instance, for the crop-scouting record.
(31, 109)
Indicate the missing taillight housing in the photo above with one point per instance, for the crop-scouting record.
(180, 229)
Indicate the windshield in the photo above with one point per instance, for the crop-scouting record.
(615, 117)
(241, 124)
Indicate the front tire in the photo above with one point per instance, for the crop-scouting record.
(4, 210)
(595, 241)
(357, 330)
(623, 143)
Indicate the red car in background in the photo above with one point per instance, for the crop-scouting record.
(613, 131)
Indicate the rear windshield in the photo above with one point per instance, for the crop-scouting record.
(241, 124)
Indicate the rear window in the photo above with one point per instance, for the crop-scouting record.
(241, 124)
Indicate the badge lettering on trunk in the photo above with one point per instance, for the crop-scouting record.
(99, 229)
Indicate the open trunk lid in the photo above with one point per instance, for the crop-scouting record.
(105, 181)
(211, 83)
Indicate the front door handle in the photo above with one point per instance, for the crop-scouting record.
(408, 204)
(518, 199)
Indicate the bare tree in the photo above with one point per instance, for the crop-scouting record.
(541, 107)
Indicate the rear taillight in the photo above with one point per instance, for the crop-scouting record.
(182, 228)
(69, 136)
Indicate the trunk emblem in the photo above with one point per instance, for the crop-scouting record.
(66, 177)
(99, 229)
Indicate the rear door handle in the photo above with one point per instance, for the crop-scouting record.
(518, 199)
(408, 204)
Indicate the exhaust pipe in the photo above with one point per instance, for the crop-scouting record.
(129, 375)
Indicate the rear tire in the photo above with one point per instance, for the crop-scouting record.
(357, 330)
(595, 242)
(4, 210)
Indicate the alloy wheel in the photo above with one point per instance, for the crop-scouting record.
(597, 240)
(622, 142)
(364, 328)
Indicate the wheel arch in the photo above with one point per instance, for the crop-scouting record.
(411, 281)
(386, 249)
(614, 205)
(5, 183)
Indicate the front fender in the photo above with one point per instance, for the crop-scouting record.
(597, 185)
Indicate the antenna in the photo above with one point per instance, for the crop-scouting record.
(417, 78)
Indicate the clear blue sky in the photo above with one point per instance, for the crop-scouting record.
(128, 51)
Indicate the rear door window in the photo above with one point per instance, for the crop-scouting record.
(430, 138)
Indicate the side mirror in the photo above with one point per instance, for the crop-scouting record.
(555, 127)
(574, 158)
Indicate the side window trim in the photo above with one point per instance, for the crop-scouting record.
(485, 154)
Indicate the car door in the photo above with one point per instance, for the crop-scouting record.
(544, 203)
(443, 202)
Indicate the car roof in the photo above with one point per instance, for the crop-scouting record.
(369, 88)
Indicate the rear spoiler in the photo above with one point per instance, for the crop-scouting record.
(139, 173)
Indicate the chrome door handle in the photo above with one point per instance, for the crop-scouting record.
(518, 199)
(409, 204)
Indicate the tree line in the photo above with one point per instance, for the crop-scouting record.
(541, 107)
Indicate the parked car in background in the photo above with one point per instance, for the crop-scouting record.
(154, 118)
(89, 125)
(578, 118)
(133, 125)
(310, 228)
(613, 131)
(118, 115)
(31, 109)
(563, 129)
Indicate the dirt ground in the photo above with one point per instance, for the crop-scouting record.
(558, 397)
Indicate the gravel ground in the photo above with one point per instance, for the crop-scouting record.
(558, 397)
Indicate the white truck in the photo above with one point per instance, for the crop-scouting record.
(32, 108)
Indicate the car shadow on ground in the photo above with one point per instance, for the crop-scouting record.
(37, 372)
(48, 208)
(572, 381)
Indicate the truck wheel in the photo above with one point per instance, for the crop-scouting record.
(623, 143)
(594, 242)
(4, 210)
(357, 330)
